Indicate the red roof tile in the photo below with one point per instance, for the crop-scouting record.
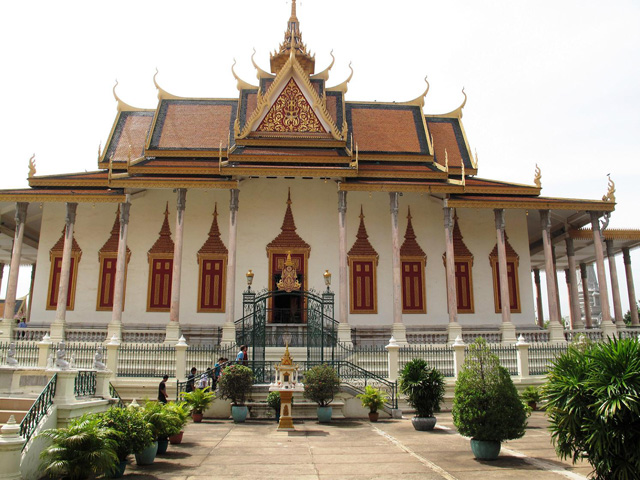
(134, 133)
(189, 125)
(384, 130)
(444, 138)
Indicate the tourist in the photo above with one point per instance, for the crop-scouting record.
(217, 369)
(162, 390)
(242, 357)
(191, 380)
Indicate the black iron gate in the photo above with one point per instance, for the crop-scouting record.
(320, 337)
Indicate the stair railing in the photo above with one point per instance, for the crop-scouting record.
(38, 410)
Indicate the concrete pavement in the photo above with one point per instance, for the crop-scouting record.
(345, 449)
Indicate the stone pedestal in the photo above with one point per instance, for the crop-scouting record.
(112, 355)
(57, 332)
(556, 333)
(454, 330)
(181, 358)
(172, 334)
(344, 333)
(10, 450)
(458, 354)
(228, 334)
(65, 383)
(399, 332)
(508, 330)
(286, 420)
(44, 347)
(609, 329)
(393, 359)
(114, 329)
(522, 358)
(103, 378)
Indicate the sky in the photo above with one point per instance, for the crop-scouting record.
(553, 83)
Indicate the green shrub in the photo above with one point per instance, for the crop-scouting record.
(82, 450)
(530, 395)
(423, 386)
(163, 422)
(198, 400)
(132, 433)
(593, 404)
(486, 405)
(321, 384)
(182, 410)
(372, 398)
(273, 400)
(235, 383)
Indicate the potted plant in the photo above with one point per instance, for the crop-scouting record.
(531, 396)
(182, 410)
(235, 384)
(198, 401)
(163, 422)
(373, 398)
(84, 449)
(486, 405)
(130, 432)
(424, 388)
(273, 400)
(321, 384)
(592, 395)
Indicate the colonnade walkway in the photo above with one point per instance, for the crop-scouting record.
(345, 449)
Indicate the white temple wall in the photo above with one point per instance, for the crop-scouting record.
(261, 212)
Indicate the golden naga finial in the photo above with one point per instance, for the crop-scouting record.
(32, 166)
(537, 177)
(476, 158)
(446, 160)
(610, 196)
(463, 176)
(354, 164)
(110, 170)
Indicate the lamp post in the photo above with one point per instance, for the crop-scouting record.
(327, 280)
(250, 275)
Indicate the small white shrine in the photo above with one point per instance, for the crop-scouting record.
(286, 383)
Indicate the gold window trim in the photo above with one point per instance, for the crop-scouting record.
(469, 262)
(151, 257)
(494, 270)
(423, 266)
(72, 293)
(102, 257)
(374, 261)
(224, 283)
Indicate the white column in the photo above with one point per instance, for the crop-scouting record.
(344, 330)
(585, 295)
(229, 331)
(507, 328)
(453, 328)
(615, 287)
(399, 330)
(58, 325)
(572, 279)
(12, 284)
(536, 279)
(633, 304)
(556, 330)
(115, 326)
(173, 327)
(607, 325)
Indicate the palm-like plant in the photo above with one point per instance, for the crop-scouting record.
(163, 422)
(82, 450)
(198, 400)
(423, 386)
(593, 395)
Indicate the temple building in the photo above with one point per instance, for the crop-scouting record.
(197, 200)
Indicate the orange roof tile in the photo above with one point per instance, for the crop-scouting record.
(444, 138)
(164, 243)
(385, 130)
(133, 133)
(214, 244)
(362, 247)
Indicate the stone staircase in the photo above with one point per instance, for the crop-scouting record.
(16, 406)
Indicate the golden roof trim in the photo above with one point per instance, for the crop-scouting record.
(67, 182)
(290, 158)
(241, 84)
(290, 172)
(125, 107)
(162, 93)
(608, 234)
(261, 73)
(594, 205)
(342, 87)
(324, 75)
(284, 141)
(457, 113)
(418, 101)
(208, 153)
(63, 197)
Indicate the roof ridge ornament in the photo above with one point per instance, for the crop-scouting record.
(324, 75)
(342, 87)
(457, 113)
(162, 93)
(32, 166)
(538, 176)
(123, 106)
(241, 84)
(419, 101)
(261, 72)
(610, 196)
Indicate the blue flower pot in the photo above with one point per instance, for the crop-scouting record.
(239, 413)
(485, 449)
(324, 414)
(147, 455)
(163, 443)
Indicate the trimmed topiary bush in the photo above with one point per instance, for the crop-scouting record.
(235, 383)
(593, 404)
(321, 384)
(486, 405)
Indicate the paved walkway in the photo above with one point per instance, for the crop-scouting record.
(390, 449)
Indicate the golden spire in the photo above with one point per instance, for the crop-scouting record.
(32, 166)
(292, 45)
(610, 196)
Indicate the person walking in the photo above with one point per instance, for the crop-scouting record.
(162, 390)
(242, 358)
(191, 380)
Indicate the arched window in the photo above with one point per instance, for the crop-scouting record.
(212, 260)
(160, 258)
(108, 257)
(413, 261)
(363, 261)
(55, 255)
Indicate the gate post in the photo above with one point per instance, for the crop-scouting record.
(327, 313)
